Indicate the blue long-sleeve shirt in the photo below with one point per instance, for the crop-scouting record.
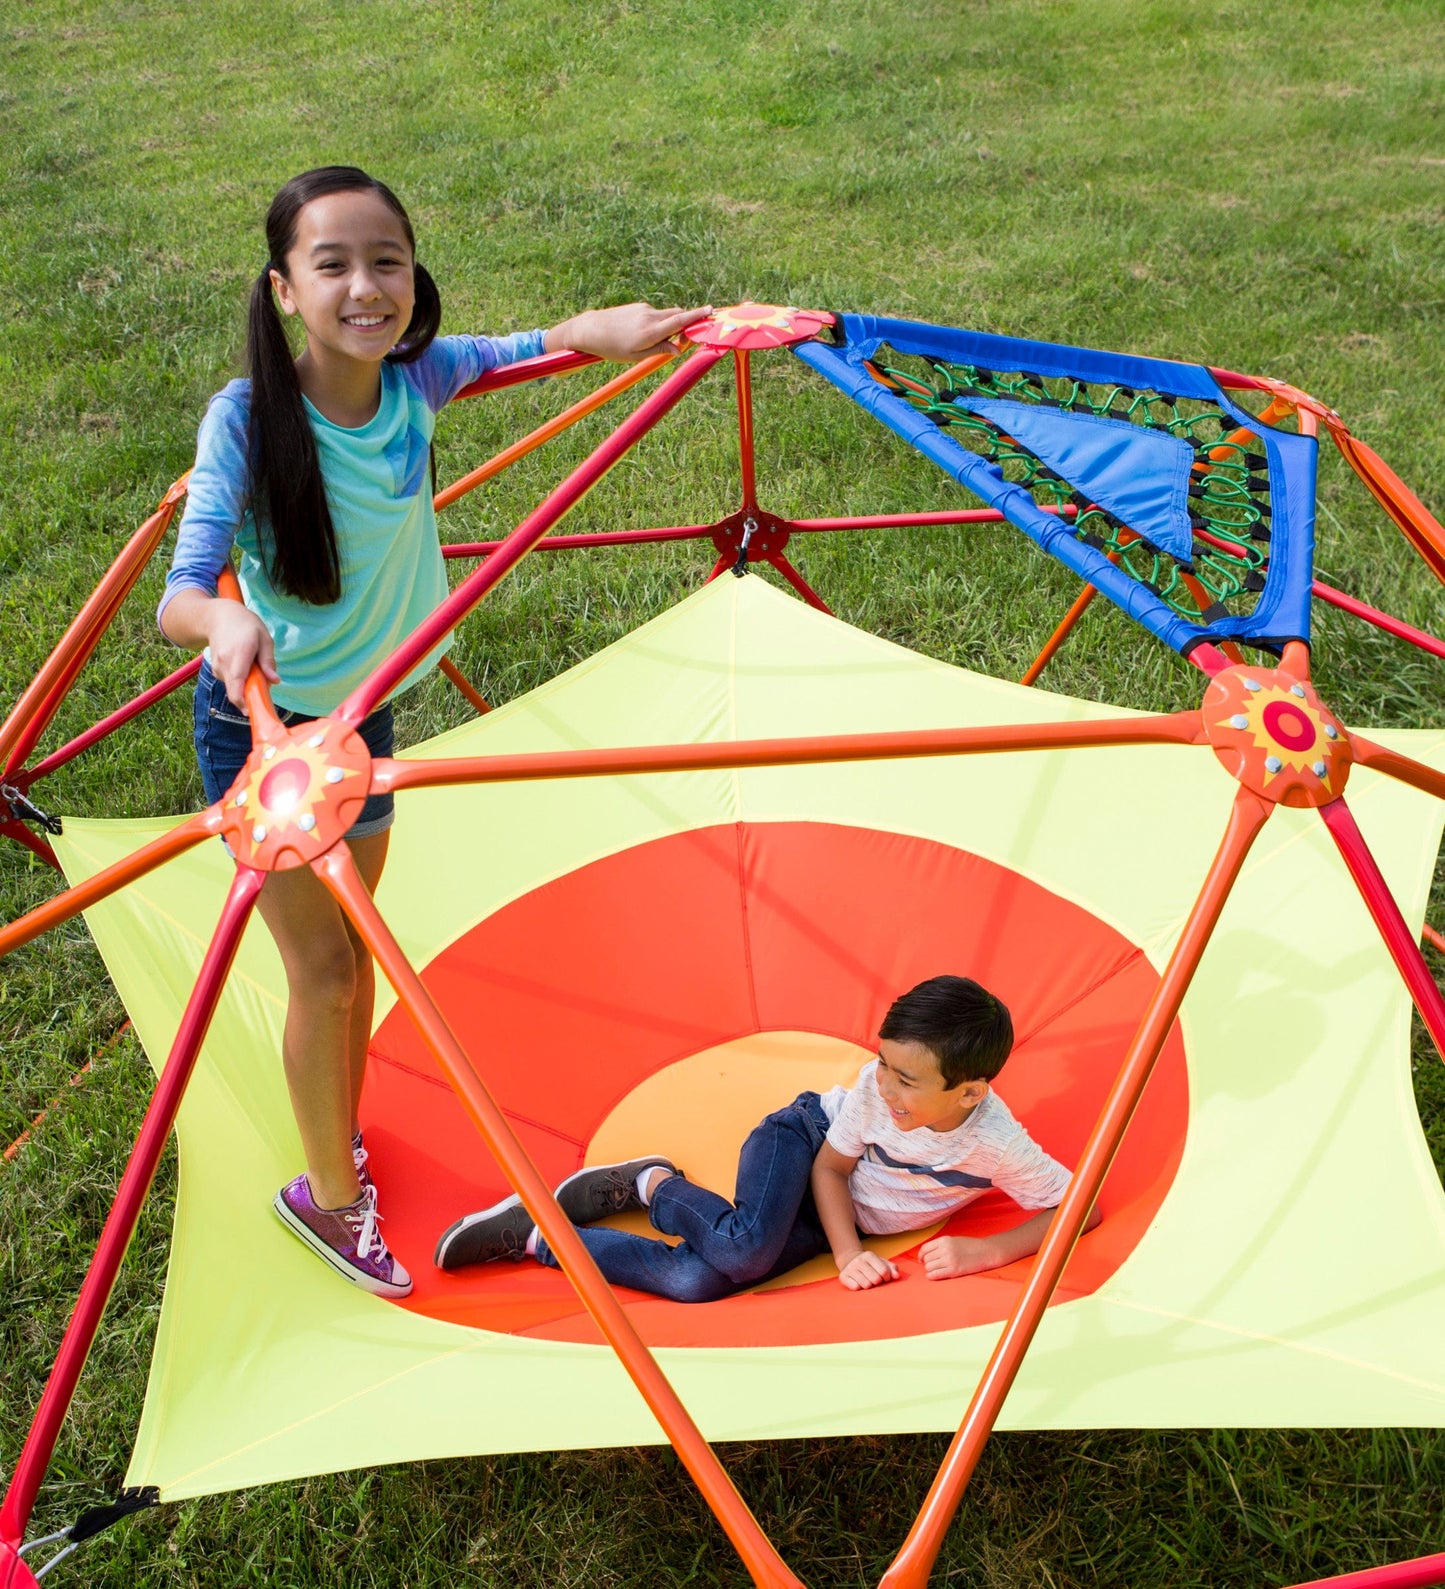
(392, 574)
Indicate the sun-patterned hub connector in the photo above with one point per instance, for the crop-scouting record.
(298, 793)
(1271, 731)
(750, 325)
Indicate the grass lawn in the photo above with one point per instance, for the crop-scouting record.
(1257, 188)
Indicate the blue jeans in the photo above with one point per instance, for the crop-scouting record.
(771, 1226)
(223, 742)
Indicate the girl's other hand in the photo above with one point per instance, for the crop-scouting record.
(628, 332)
(237, 639)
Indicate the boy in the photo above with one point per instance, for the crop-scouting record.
(920, 1134)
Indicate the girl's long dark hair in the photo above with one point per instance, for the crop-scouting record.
(287, 491)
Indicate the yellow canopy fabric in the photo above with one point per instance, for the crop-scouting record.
(1294, 1273)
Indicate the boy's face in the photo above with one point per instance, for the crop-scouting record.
(911, 1084)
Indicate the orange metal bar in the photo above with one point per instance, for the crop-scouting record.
(1276, 408)
(1295, 658)
(31, 714)
(1414, 520)
(1394, 765)
(338, 871)
(1081, 605)
(1172, 728)
(743, 372)
(553, 427)
(1433, 938)
(912, 1565)
(465, 685)
(264, 721)
(54, 911)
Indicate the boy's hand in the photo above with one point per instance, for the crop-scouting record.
(629, 332)
(866, 1270)
(950, 1257)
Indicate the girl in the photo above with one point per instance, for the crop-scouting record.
(316, 467)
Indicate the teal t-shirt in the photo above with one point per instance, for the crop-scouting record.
(378, 487)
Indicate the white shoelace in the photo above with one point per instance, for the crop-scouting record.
(364, 1221)
(359, 1156)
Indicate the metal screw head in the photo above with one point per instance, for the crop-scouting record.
(1297, 689)
(1272, 764)
(334, 775)
(1331, 732)
(1318, 769)
(258, 834)
(316, 740)
(1252, 685)
(241, 798)
(306, 823)
(1239, 720)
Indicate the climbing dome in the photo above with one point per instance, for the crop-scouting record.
(654, 898)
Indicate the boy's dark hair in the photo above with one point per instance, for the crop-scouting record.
(966, 1029)
(287, 491)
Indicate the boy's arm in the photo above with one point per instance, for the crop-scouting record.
(858, 1268)
(949, 1257)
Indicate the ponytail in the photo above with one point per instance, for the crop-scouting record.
(425, 322)
(288, 495)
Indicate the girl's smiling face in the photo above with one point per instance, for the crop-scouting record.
(349, 275)
(911, 1085)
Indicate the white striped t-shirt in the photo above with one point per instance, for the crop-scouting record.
(907, 1179)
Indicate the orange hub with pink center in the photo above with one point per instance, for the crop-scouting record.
(1271, 731)
(750, 325)
(299, 792)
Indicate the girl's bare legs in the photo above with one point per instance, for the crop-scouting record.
(331, 985)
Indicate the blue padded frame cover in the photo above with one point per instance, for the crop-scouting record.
(1282, 611)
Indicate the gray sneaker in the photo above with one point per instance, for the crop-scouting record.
(604, 1189)
(500, 1231)
(347, 1238)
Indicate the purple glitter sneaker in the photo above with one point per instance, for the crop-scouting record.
(347, 1238)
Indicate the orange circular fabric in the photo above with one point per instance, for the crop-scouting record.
(572, 996)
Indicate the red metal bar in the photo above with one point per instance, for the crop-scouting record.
(1422, 1572)
(524, 370)
(108, 725)
(37, 846)
(1381, 620)
(1171, 728)
(720, 567)
(799, 584)
(135, 1183)
(743, 372)
(74, 900)
(912, 1565)
(569, 543)
(1380, 902)
(465, 597)
(697, 532)
(1208, 658)
(338, 871)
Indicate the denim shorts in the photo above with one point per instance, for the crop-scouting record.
(223, 742)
